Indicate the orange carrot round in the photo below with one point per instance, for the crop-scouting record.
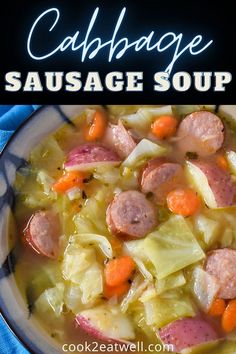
(229, 317)
(69, 180)
(217, 308)
(119, 270)
(119, 290)
(164, 126)
(183, 201)
(97, 128)
(222, 162)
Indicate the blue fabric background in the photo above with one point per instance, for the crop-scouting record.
(10, 118)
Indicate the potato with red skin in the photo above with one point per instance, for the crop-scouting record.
(106, 324)
(187, 332)
(42, 233)
(89, 156)
(219, 181)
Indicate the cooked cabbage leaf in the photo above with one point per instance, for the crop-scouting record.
(76, 260)
(160, 311)
(97, 240)
(172, 281)
(143, 151)
(172, 247)
(91, 284)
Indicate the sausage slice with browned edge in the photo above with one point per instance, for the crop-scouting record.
(42, 233)
(221, 264)
(201, 132)
(130, 214)
(118, 138)
(187, 332)
(89, 156)
(219, 181)
(160, 178)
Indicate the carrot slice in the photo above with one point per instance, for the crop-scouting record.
(229, 317)
(69, 180)
(222, 162)
(183, 201)
(217, 308)
(118, 270)
(97, 128)
(164, 126)
(118, 290)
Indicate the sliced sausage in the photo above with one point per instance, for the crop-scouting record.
(160, 178)
(221, 264)
(90, 156)
(187, 332)
(42, 233)
(219, 181)
(131, 215)
(119, 139)
(201, 132)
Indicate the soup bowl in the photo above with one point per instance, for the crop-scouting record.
(15, 154)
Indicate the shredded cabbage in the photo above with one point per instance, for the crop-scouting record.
(97, 240)
(143, 269)
(148, 294)
(143, 151)
(135, 291)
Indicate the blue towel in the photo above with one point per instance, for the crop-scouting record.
(10, 118)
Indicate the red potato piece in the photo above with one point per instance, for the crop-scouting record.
(187, 332)
(90, 156)
(131, 215)
(161, 178)
(106, 325)
(90, 329)
(221, 264)
(219, 181)
(201, 132)
(42, 233)
(119, 139)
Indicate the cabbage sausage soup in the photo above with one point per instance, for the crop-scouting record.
(125, 228)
